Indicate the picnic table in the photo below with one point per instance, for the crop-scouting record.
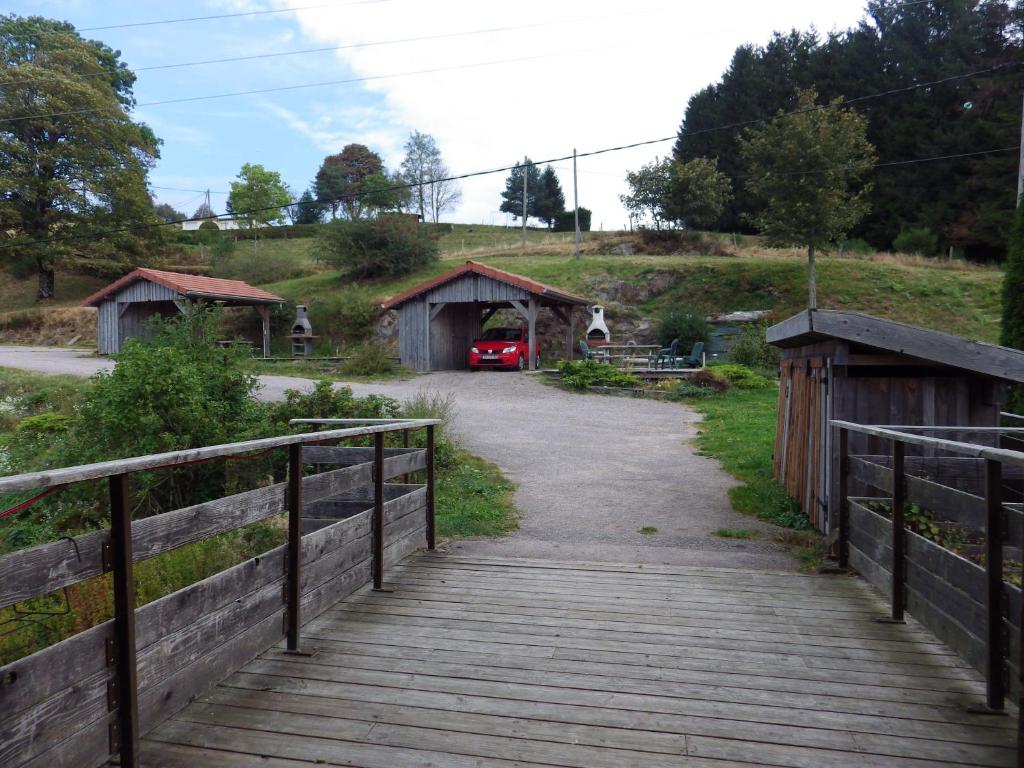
(629, 354)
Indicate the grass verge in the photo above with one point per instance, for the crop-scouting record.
(739, 431)
(474, 499)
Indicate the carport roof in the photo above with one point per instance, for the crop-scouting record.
(543, 291)
(191, 286)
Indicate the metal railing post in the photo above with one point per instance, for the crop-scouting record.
(995, 672)
(899, 532)
(844, 492)
(431, 536)
(378, 510)
(124, 731)
(294, 558)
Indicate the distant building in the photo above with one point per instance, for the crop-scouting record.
(192, 225)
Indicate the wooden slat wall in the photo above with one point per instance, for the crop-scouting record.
(54, 711)
(798, 436)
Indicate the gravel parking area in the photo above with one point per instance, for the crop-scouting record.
(592, 470)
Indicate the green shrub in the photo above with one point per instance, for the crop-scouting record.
(381, 248)
(920, 240)
(566, 221)
(753, 350)
(740, 376)
(348, 315)
(370, 359)
(580, 374)
(431, 404)
(686, 389)
(685, 324)
(857, 246)
(326, 401)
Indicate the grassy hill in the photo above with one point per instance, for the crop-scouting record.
(953, 296)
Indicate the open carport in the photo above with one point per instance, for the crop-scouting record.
(439, 319)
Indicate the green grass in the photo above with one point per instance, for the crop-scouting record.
(739, 430)
(735, 533)
(647, 529)
(334, 370)
(474, 499)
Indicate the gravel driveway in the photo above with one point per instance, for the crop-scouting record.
(592, 470)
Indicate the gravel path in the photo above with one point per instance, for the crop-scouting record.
(592, 470)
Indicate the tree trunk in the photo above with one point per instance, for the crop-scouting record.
(812, 279)
(45, 282)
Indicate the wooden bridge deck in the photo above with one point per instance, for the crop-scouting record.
(487, 662)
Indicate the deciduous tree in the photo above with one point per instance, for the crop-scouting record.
(650, 188)
(259, 197)
(1012, 330)
(698, 193)
(167, 212)
(72, 160)
(432, 192)
(341, 178)
(808, 171)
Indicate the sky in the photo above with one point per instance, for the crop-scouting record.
(492, 82)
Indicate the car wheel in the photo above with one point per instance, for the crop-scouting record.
(521, 363)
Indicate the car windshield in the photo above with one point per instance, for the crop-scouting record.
(500, 334)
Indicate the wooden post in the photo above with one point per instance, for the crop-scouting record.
(405, 444)
(844, 492)
(532, 327)
(124, 731)
(378, 511)
(431, 536)
(570, 313)
(264, 313)
(995, 672)
(899, 532)
(294, 558)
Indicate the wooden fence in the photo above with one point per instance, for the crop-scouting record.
(961, 597)
(90, 696)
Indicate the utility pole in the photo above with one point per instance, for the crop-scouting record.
(576, 203)
(525, 176)
(1020, 162)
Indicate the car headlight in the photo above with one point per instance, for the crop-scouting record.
(507, 350)
(474, 350)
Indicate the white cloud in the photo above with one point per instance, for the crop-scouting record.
(606, 73)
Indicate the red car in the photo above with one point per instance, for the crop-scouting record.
(501, 348)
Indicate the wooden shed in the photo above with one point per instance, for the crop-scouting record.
(124, 305)
(439, 319)
(858, 368)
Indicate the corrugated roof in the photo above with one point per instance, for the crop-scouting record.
(814, 325)
(474, 267)
(192, 286)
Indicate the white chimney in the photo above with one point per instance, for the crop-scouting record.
(598, 330)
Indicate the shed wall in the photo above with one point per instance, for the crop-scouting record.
(814, 388)
(473, 287)
(108, 341)
(414, 335)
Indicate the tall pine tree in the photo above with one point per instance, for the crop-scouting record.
(550, 201)
(512, 196)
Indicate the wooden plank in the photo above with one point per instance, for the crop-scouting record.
(51, 477)
(315, 454)
(661, 703)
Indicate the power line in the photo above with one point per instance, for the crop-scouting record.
(377, 43)
(459, 177)
(301, 86)
(229, 15)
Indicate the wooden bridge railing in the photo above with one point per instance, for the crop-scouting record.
(90, 696)
(970, 606)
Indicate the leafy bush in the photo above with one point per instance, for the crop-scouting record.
(857, 246)
(326, 401)
(687, 389)
(566, 221)
(349, 315)
(707, 378)
(369, 359)
(920, 240)
(740, 376)
(381, 248)
(580, 374)
(685, 324)
(753, 350)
